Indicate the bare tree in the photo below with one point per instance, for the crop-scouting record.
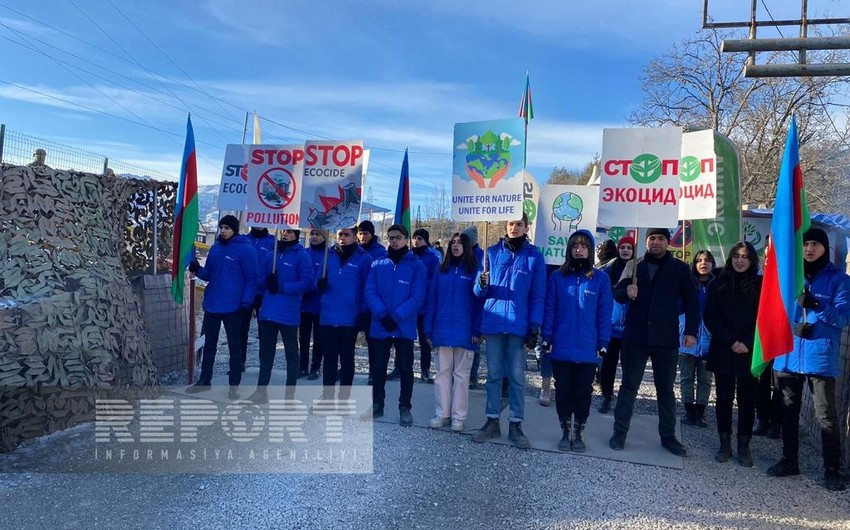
(437, 214)
(696, 86)
(565, 175)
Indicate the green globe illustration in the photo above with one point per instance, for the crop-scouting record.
(566, 208)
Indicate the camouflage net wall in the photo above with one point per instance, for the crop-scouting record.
(69, 320)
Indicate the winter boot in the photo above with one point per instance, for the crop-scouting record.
(516, 436)
(745, 458)
(490, 430)
(605, 407)
(564, 444)
(725, 451)
(690, 414)
(699, 416)
(578, 443)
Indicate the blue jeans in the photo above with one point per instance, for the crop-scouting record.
(545, 362)
(505, 358)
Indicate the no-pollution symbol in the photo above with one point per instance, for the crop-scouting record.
(276, 188)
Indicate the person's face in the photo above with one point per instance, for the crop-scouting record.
(345, 237)
(704, 265)
(580, 251)
(419, 241)
(316, 237)
(397, 239)
(516, 228)
(364, 237)
(288, 235)
(812, 250)
(225, 232)
(626, 251)
(741, 260)
(457, 247)
(656, 245)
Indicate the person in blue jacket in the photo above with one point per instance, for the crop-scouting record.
(692, 361)
(608, 368)
(431, 259)
(286, 282)
(368, 242)
(310, 306)
(262, 242)
(513, 290)
(820, 314)
(231, 275)
(576, 331)
(342, 304)
(394, 292)
(471, 232)
(452, 324)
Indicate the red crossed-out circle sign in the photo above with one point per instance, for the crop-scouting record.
(279, 186)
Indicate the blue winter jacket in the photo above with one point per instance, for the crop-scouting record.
(344, 301)
(398, 291)
(614, 269)
(262, 246)
(294, 278)
(454, 312)
(818, 355)
(311, 302)
(700, 348)
(231, 275)
(514, 297)
(375, 250)
(577, 315)
(431, 259)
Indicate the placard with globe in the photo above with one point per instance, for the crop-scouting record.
(561, 211)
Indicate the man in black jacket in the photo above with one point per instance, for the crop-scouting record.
(652, 332)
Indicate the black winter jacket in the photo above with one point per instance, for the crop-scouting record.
(731, 307)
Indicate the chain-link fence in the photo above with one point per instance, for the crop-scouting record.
(18, 149)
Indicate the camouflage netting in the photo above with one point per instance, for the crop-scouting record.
(69, 320)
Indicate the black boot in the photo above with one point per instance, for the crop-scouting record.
(699, 416)
(490, 430)
(578, 443)
(690, 412)
(833, 481)
(761, 427)
(745, 458)
(725, 451)
(605, 407)
(564, 444)
(774, 430)
(516, 436)
(393, 375)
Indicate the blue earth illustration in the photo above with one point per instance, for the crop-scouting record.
(567, 208)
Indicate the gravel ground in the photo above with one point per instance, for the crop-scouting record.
(427, 479)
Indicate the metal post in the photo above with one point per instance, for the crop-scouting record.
(2, 138)
(105, 165)
(191, 366)
(803, 29)
(155, 230)
(752, 58)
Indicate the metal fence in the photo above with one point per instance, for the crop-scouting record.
(18, 149)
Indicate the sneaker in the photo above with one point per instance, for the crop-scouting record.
(303, 373)
(783, 468)
(426, 379)
(393, 375)
(674, 446)
(405, 418)
(457, 425)
(313, 375)
(261, 395)
(233, 392)
(200, 386)
(833, 480)
(491, 429)
(376, 411)
(544, 399)
(516, 436)
(617, 441)
(605, 407)
(438, 422)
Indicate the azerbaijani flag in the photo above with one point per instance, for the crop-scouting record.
(783, 265)
(185, 215)
(526, 111)
(402, 202)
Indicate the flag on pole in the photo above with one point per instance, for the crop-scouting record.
(526, 111)
(783, 269)
(402, 203)
(258, 131)
(185, 216)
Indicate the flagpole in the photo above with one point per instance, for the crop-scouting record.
(325, 260)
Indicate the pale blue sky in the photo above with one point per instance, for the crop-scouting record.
(393, 73)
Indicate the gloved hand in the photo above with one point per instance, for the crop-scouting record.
(363, 321)
(803, 330)
(194, 266)
(484, 279)
(273, 286)
(322, 284)
(531, 338)
(389, 323)
(808, 300)
(601, 352)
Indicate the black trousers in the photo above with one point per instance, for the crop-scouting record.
(727, 387)
(268, 345)
(633, 360)
(309, 327)
(573, 389)
(823, 397)
(247, 316)
(424, 347)
(378, 372)
(338, 350)
(232, 327)
(768, 397)
(608, 369)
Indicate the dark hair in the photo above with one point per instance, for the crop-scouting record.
(524, 219)
(748, 281)
(607, 250)
(581, 236)
(399, 228)
(467, 259)
(714, 271)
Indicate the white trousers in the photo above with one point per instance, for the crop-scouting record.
(451, 386)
